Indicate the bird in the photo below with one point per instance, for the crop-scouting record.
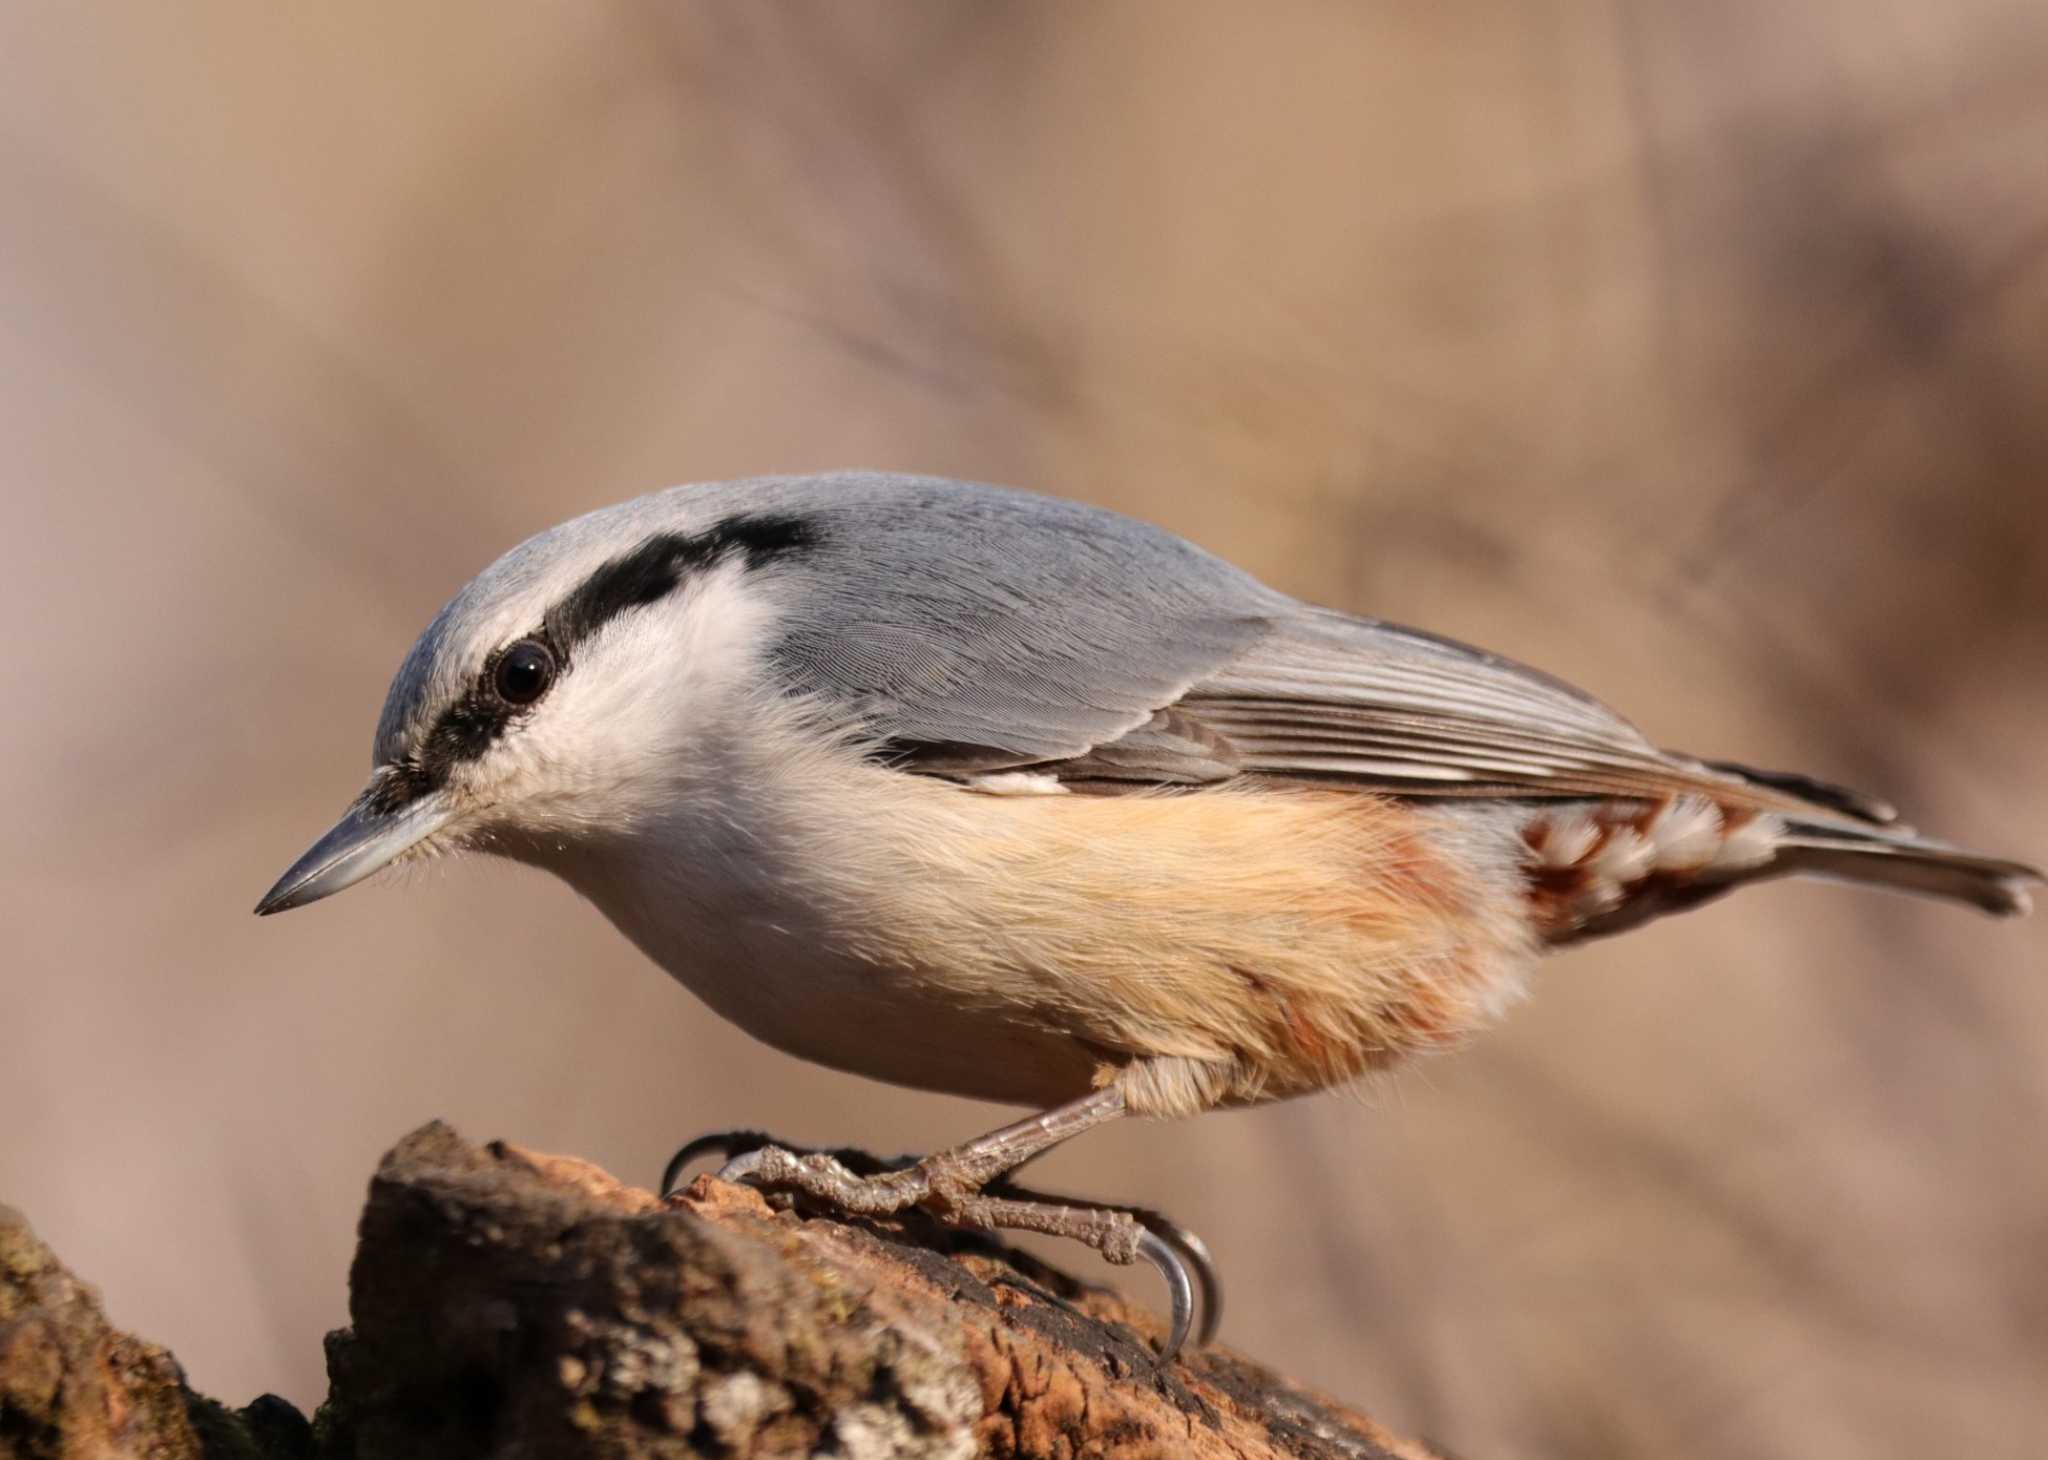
(974, 790)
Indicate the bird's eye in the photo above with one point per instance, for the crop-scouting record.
(524, 672)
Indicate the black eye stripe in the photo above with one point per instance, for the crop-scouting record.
(463, 731)
(660, 563)
(647, 573)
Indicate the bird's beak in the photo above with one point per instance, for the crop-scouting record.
(360, 843)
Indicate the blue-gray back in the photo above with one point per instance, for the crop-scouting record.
(971, 628)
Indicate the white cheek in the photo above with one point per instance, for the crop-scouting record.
(642, 713)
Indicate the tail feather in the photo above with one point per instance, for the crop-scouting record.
(1599, 867)
(1908, 863)
(1858, 805)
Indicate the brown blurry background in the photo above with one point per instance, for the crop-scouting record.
(1694, 350)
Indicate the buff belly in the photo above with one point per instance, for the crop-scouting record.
(1209, 947)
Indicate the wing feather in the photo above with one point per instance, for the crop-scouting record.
(971, 630)
(1408, 714)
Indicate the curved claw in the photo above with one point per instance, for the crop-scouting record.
(1163, 1255)
(726, 1143)
(1191, 1250)
(1164, 1243)
(1194, 1253)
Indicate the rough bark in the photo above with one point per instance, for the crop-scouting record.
(72, 1387)
(513, 1305)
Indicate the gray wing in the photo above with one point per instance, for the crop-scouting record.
(971, 628)
(1328, 695)
(974, 630)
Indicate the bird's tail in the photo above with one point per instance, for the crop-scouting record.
(1601, 869)
(1897, 858)
(1859, 838)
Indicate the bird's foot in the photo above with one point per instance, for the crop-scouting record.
(956, 1188)
(823, 1179)
(1197, 1288)
(728, 1145)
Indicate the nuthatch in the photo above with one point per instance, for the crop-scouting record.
(984, 792)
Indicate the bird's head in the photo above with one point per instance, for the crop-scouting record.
(580, 684)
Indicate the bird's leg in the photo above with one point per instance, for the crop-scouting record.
(951, 1185)
(945, 1182)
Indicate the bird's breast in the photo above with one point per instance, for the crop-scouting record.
(779, 958)
(1021, 947)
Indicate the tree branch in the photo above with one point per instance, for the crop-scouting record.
(506, 1303)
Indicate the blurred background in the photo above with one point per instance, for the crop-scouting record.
(1693, 350)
